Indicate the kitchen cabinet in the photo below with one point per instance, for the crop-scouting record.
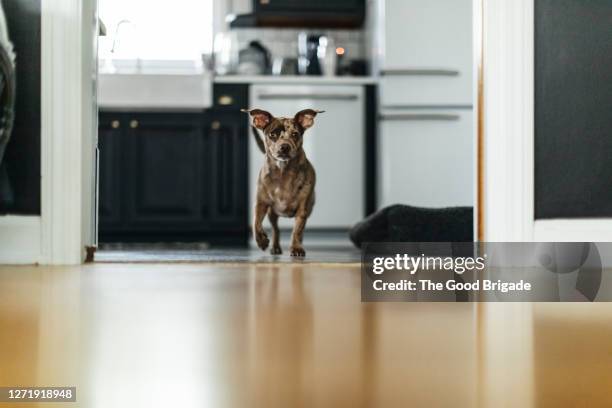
(229, 169)
(427, 53)
(426, 158)
(300, 13)
(302, 6)
(111, 172)
(168, 176)
(334, 145)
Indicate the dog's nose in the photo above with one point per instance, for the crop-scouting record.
(284, 149)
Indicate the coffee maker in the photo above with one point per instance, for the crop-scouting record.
(309, 49)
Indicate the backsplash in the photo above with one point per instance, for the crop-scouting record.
(283, 42)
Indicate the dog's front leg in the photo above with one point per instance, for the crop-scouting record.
(258, 232)
(273, 217)
(296, 248)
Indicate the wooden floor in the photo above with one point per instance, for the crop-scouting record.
(288, 335)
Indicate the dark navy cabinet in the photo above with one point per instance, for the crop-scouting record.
(175, 177)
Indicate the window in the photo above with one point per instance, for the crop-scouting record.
(156, 29)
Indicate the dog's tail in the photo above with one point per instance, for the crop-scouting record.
(260, 142)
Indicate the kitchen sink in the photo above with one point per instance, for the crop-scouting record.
(146, 86)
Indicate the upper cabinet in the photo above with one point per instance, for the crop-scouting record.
(303, 14)
(426, 52)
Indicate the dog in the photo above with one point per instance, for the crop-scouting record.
(286, 182)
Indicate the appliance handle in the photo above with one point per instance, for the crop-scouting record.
(420, 116)
(419, 72)
(292, 96)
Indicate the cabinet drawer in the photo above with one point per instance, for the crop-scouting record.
(230, 97)
(426, 159)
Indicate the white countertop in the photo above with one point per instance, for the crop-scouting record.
(190, 89)
(294, 79)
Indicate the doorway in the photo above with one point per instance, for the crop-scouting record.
(176, 165)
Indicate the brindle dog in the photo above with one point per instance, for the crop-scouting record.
(286, 182)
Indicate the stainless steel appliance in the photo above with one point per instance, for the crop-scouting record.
(426, 143)
(309, 47)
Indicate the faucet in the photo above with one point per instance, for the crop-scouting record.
(116, 36)
(116, 45)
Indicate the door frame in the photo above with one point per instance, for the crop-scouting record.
(66, 224)
(68, 129)
(506, 157)
(506, 121)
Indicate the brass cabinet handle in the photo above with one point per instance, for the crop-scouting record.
(215, 125)
(115, 124)
(134, 124)
(225, 100)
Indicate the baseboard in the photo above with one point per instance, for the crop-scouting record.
(20, 240)
(573, 230)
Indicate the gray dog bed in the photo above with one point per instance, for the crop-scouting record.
(403, 223)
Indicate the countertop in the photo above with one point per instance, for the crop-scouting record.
(294, 79)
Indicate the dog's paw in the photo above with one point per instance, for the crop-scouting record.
(276, 250)
(262, 240)
(297, 251)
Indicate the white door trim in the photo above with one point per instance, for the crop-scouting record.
(509, 134)
(21, 239)
(573, 230)
(68, 73)
(60, 234)
(508, 47)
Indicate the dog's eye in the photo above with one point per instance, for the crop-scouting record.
(295, 134)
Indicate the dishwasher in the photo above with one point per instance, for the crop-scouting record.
(334, 145)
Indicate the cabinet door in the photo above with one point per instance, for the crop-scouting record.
(111, 171)
(334, 146)
(427, 53)
(165, 171)
(425, 159)
(227, 151)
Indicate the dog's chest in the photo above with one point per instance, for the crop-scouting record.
(285, 193)
(284, 200)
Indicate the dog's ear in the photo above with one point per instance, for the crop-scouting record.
(306, 117)
(261, 118)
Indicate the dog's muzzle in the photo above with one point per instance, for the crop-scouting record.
(284, 152)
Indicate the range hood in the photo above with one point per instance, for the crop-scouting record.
(302, 14)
